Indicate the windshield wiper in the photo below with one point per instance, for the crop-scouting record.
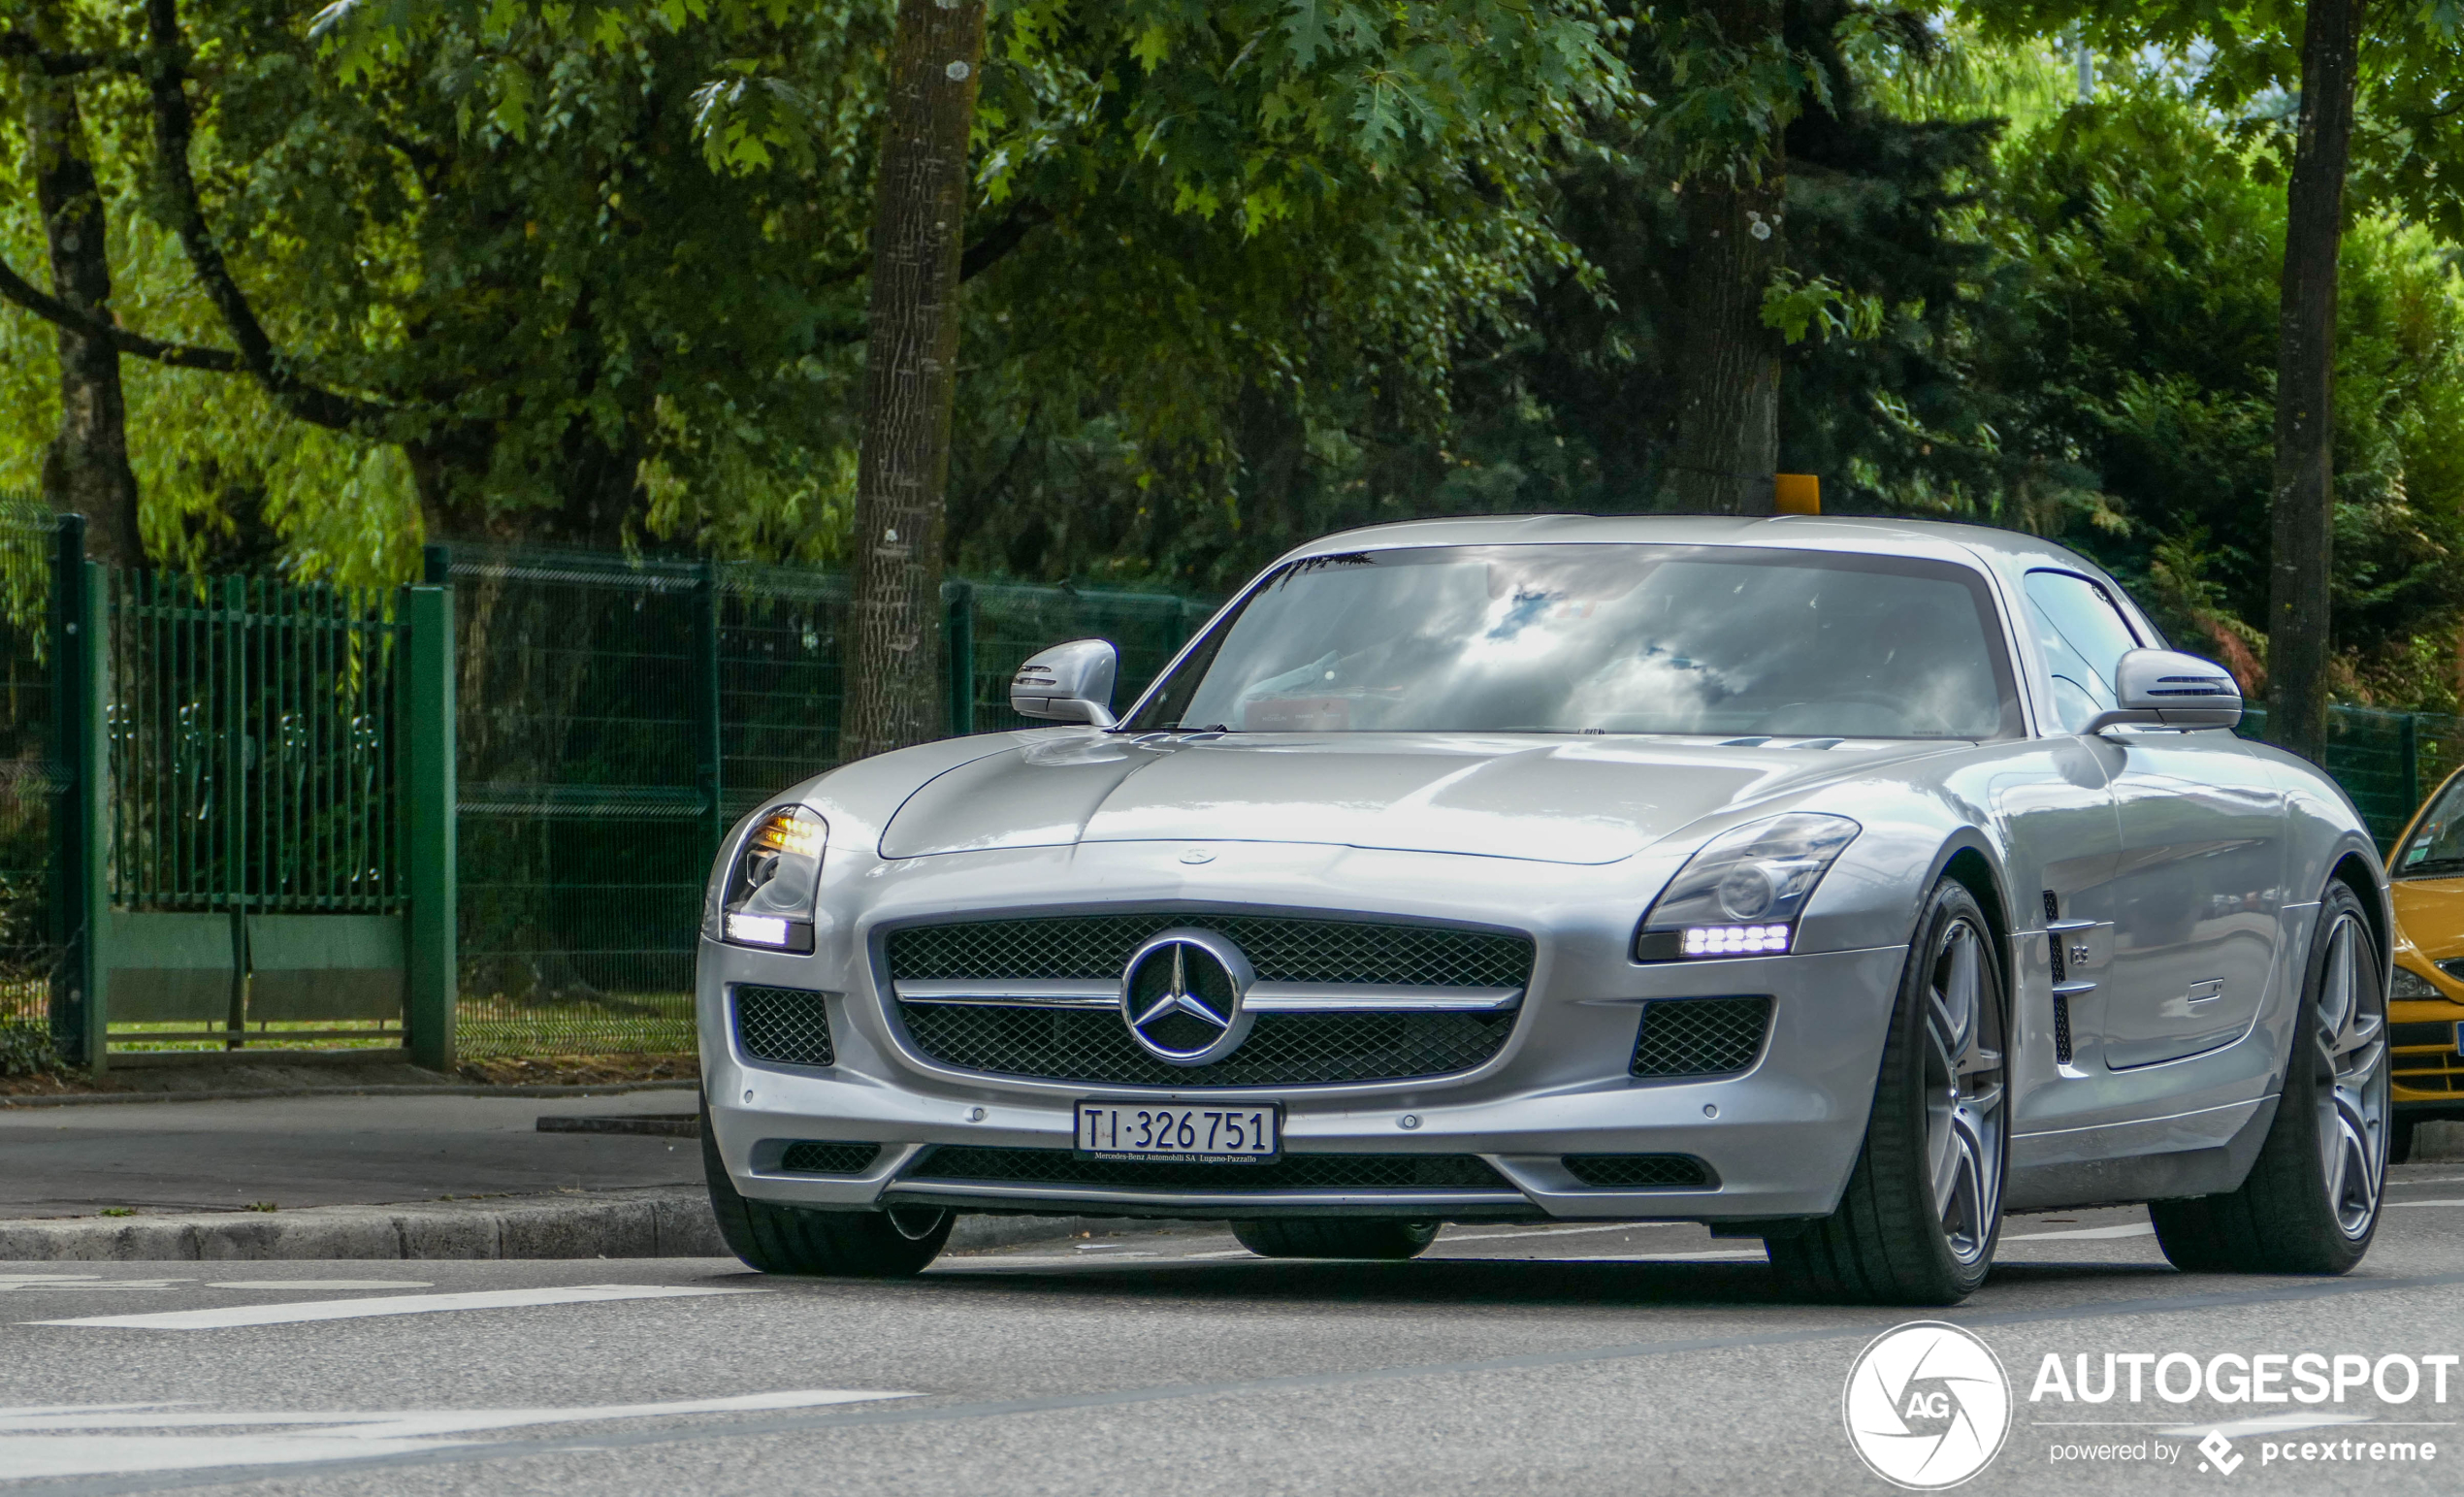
(2432, 868)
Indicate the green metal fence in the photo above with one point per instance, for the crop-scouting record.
(29, 779)
(618, 713)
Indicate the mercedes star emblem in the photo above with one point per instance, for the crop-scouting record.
(1182, 997)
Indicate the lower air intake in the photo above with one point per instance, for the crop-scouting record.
(786, 1024)
(1291, 1172)
(1701, 1037)
(814, 1156)
(1640, 1171)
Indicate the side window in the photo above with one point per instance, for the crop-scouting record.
(2083, 637)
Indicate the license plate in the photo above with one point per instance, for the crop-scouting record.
(1203, 1135)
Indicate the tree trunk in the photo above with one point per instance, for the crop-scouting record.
(894, 694)
(85, 468)
(1727, 360)
(2304, 497)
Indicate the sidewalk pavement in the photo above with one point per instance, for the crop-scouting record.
(383, 1176)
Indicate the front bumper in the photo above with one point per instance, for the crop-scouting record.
(1779, 1137)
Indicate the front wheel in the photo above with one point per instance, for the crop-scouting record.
(2310, 1204)
(782, 1239)
(1334, 1237)
(1923, 1209)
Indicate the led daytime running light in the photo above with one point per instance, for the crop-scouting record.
(1735, 940)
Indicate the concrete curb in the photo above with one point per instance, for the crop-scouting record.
(521, 1088)
(669, 1221)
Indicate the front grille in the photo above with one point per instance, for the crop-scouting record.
(1093, 1045)
(813, 1156)
(787, 1024)
(1282, 1050)
(2410, 1035)
(1281, 950)
(1640, 1171)
(1292, 1172)
(1700, 1037)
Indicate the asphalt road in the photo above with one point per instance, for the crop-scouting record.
(1510, 1361)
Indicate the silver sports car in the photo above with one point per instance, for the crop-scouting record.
(1840, 883)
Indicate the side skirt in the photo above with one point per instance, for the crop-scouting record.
(2145, 1176)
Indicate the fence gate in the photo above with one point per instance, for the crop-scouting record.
(272, 850)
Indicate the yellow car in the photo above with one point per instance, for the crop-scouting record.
(2425, 993)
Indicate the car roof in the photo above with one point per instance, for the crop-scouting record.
(2010, 550)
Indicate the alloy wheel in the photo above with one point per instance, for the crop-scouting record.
(2351, 1036)
(1964, 1113)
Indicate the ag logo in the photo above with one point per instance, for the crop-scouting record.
(1927, 1406)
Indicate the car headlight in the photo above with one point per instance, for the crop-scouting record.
(2406, 983)
(1741, 894)
(769, 900)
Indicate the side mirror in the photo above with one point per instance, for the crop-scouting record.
(2168, 688)
(1069, 683)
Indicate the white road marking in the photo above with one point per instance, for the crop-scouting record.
(2267, 1424)
(1553, 1231)
(321, 1283)
(391, 1304)
(2450, 1202)
(54, 1284)
(278, 1438)
(2132, 1229)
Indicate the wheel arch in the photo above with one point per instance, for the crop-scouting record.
(2353, 871)
(1963, 860)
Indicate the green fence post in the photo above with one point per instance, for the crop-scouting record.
(959, 633)
(435, 563)
(79, 899)
(709, 736)
(427, 737)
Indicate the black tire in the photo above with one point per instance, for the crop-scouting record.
(2311, 1203)
(1335, 1237)
(1897, 1237)
(778, 1239)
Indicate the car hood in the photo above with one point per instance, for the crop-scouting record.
(2430, 911)
(1555, 801)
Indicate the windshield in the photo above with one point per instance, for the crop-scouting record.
(2437, 846)
(1721, 640)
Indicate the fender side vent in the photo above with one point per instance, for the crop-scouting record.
(2062, 1026)
(1641, 1171)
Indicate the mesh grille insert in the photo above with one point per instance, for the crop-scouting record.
(814, 1156)
(787, 1024)
(2061, 1027)
(1701, 1037)
(1640, 1171)
(1093, 1045)
(1291, 1172)
(1280, 948)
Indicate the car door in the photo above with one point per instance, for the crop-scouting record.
(2201, 868)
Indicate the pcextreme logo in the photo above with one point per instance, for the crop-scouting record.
(1927, 1406)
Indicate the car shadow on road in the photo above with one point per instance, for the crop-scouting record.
(1519, 1282)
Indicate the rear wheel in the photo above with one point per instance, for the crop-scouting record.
(780, 1239)
(1335, 1237)
(1923, 1205)
(2311, 1202)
